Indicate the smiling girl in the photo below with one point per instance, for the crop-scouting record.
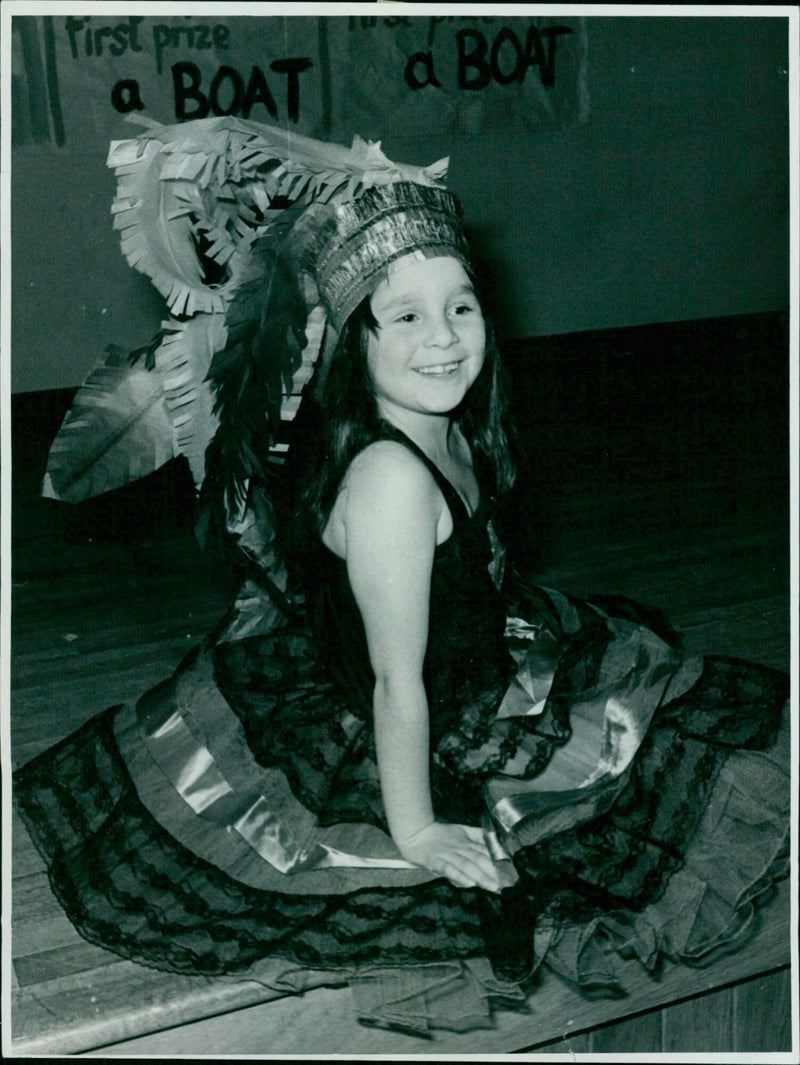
(424, 352)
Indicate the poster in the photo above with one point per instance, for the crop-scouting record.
(74, 76)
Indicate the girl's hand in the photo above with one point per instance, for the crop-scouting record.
(456, 851)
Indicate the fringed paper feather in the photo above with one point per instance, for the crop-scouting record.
(182, 361)
(199, 208)
(213, 179)
(117, 430)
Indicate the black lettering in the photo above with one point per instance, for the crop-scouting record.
(291, 68)
(161, 38)
(104, 31)
(190, 91)
(412, 79)
(476, 58)
(517, 73)
(257, 92)
(534, 51)
(120, 35)
(203, 37)
(133, 23)
(547, 70)
(221, 34)
(73, 26)
(125, 96)
(236, 80)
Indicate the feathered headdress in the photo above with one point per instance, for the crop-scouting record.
(228, 219)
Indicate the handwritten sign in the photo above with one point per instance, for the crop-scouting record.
(331, 77)
(74, 76)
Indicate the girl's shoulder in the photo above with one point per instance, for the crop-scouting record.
(388, 495)
(387, 469)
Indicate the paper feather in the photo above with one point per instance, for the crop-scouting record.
(182, 362)
(117, 430)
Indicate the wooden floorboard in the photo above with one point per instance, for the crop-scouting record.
(762, 1014)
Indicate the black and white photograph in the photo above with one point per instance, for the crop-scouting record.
(398, 633)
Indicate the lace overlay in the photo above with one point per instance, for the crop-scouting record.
(127, 885)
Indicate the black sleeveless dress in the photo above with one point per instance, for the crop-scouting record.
(235, 812)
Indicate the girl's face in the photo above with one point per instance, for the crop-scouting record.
(429, 346)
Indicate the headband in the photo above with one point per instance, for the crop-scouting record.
(357, 243)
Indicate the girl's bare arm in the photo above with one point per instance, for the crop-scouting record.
(392, 511)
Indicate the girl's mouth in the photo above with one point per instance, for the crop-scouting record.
(444, 369)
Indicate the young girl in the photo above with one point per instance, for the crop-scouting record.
(397, 774)
(423, 355)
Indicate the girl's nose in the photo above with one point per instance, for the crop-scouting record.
(441, 333)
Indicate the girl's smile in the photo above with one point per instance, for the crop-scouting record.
(442, 370)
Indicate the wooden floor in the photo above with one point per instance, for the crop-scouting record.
(105, 603)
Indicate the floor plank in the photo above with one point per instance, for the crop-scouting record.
(73, 996)
(638, 1035)
(760, 1030)
(705, 1024)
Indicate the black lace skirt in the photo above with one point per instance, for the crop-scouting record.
(642, 796)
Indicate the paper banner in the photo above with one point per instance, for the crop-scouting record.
(75, 76)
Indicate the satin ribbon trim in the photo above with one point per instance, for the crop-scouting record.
(609, 727)
(268, 818)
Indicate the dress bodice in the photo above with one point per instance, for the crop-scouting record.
(466, 652)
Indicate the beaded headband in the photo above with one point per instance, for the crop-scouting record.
(355, 246)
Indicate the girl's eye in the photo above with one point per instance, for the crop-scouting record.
(409, 317)
(464, 308)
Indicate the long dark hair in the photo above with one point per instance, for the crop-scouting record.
(349, 421)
